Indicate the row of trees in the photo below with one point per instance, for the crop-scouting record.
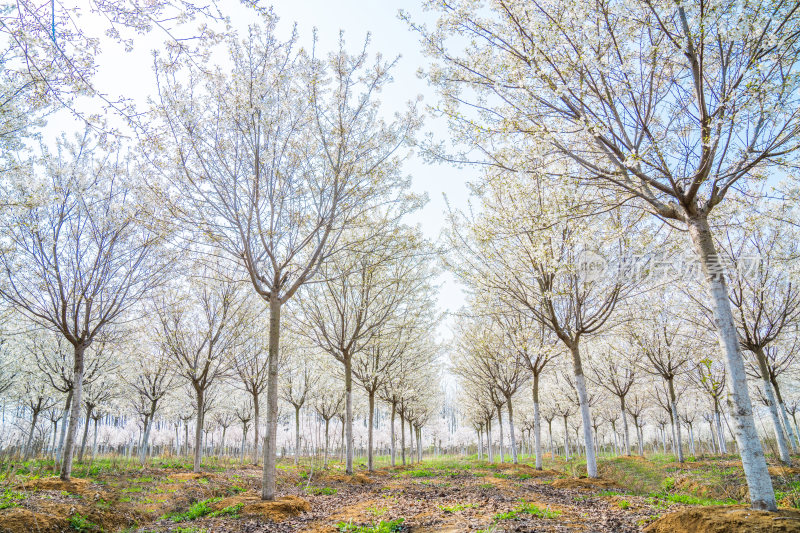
(252, 178)
(611, 120)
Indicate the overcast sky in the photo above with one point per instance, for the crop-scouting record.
(131, 74)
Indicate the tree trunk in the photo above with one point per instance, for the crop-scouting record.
(94, 442)
(723, 447)
(676, 423)
(269, 474)
(793, 438)
(625, 430)
(759, 483)
(586, 416)
(772, 406)
(29, 442)
(566, 440)
(256, 415)
(64, 422)
(348, 422)
(296, 435)
(500, 422)
(403, 437)
(371, 430)
(552, 448)
(514, 458)
(489, 447)
(537, 423)
(480, 444)
(75, 411)
(391, 434)
(146, 437)
(327, 441)
(198, 430)
(244, 443)
(419, 444)
(85, 433)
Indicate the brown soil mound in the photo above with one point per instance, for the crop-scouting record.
(358, 479)
(583, 483)
(783, 470)
(186, 476)
(713, 519)
(529, 470)
(18, 520)
(75, 486)
(278, 510)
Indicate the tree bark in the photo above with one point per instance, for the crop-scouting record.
(256, 415)
(403, 437)
(625, 430)
(537, 423)
(772, 406)
(500, 423)
(676, 423)
(566, 440)
(269, 474)
(586, 416)
(489, 447)
(391, 434)
(64, 422)
(348, 422)
(793, 438)
(198, 430)
(77, 393)
(29, 441)
(514, 458)
(327, 441)
(371, 430)
(85, 433)
(296, 435)
(759, 483)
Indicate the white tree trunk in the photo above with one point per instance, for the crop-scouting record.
(759, 483)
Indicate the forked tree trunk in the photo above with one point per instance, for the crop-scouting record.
(759, 483)
(268, 477)
(75, 411)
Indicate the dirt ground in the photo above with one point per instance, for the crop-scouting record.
(446, 496)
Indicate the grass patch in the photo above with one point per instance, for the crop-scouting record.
(391, 526)
(195, 511)
(11, 498)
(527, 508)
(458, 507)
(420, 473)
(78, 522)
(324, 491)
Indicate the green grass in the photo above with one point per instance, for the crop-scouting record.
(458, 507)
(527, 508)
(80, 523)
(391, 526)
(11, 498)
(420, 473)
(623, 504)
(195, 511)
(324, 491)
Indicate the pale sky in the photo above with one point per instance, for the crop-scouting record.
(131, 74)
